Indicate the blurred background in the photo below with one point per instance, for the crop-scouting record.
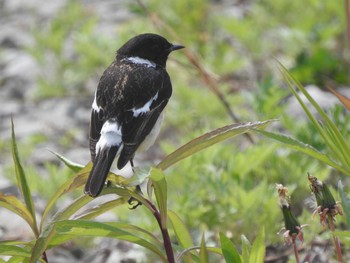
(52, 54)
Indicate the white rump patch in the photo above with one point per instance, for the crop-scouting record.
(141, 61)
(111, 135)
(145, 108)
(95, 107)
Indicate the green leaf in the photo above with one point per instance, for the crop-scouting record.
(330, 133)
(160, 191)
(17, 260)
(75, 167)
(345, 234)
(140, 175)
(181, 231)
(257, 252)
(137, 231)
(11, 250)
(102, 208)
(67, 212)
(13, 204)
(79, 228)
(345, 202)
(203, 253)
(22, 181)
(305, 148)
(208, 140)
(42, 243)
(75, 182)
(246, 246)
(229, 250)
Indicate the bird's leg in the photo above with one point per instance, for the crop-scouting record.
(132, 165)
(132, 201)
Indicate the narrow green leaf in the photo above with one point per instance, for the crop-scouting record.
(181, 231)
(229, 250)
(345, 202)
(75, 167)
(160, 191)
(11, 250)
(140, 176)
(305, 148)
(17, 259)
(208, 140)
(125, 192)
(67, 212)
(246, 246)
(102, 208)
(22, 181)
(215, 250)
(75, 182)
(339, 152)
(13, 204)
(41, 244)
(137, 231)
(257, 252)
(345, 234)
(79, 228)
(343, 150)
(203, 253)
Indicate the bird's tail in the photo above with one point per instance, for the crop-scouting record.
(100, 170)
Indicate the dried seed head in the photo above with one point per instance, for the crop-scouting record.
(327, 207)
(292, 226)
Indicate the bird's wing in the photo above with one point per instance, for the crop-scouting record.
(96, 123)
(105, 132)
(152, 95)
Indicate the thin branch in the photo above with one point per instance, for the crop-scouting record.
(347, 15)
(165, 234)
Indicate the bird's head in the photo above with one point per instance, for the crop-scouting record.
(148, 46)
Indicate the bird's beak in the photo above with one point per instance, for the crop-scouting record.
(176, 47)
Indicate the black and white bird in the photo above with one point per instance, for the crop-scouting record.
(128, 106)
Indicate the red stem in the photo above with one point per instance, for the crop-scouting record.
(296, 253)
(165, 234)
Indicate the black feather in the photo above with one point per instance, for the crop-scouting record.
(100, 170)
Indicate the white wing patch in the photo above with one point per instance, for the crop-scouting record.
(95, 107)
(141, 61)
(145, 108)
(111, 135)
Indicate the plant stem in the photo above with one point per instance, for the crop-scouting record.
(165, 234)
(44, 257)
(335, 239)
(296, 253)
(337, 248)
